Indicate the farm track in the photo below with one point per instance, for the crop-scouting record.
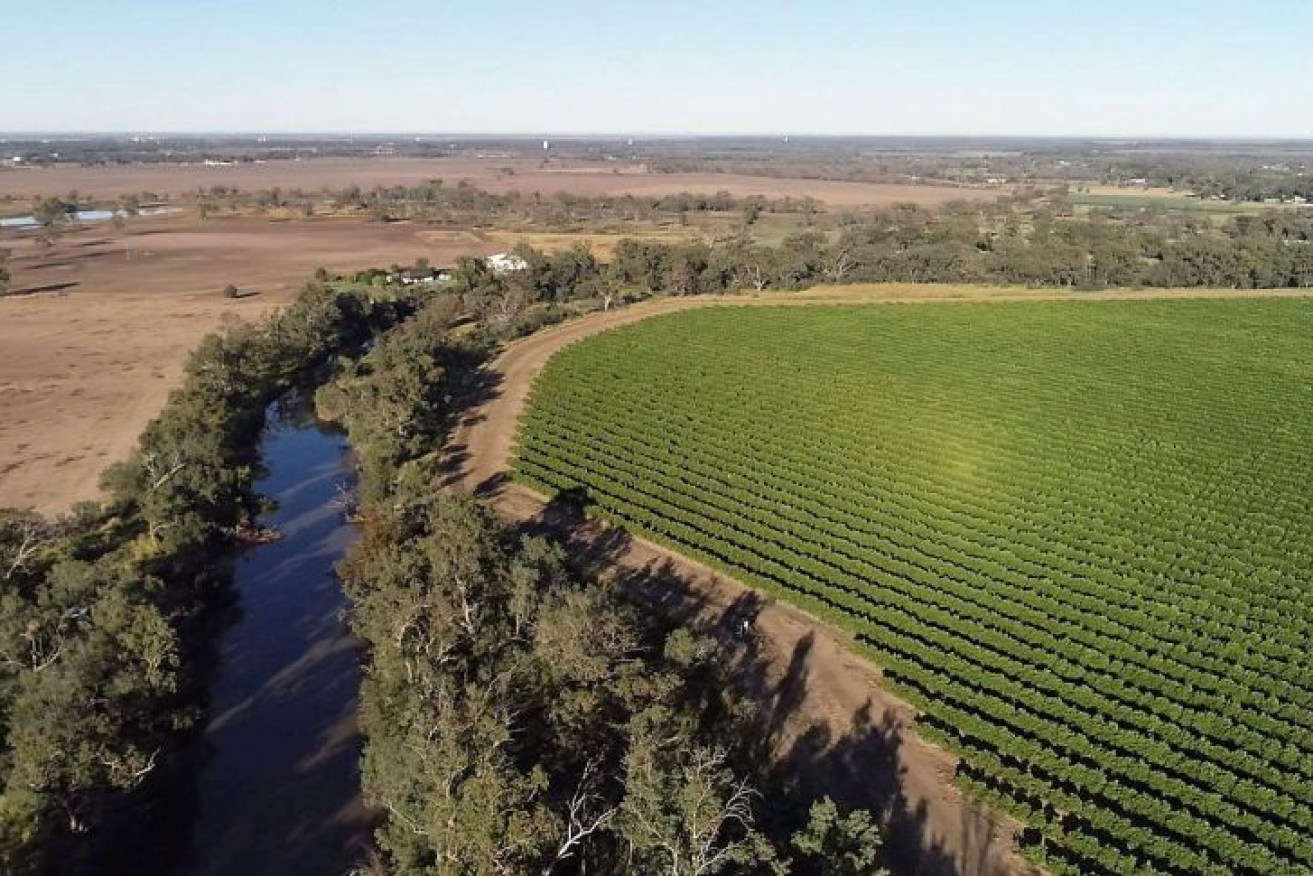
(831, 719)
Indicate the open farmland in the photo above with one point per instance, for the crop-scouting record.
(491, 174)
(95, 336)
(1075, 534)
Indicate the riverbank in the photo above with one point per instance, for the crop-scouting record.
(109, 612)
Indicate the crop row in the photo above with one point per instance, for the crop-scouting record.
(1092, 575)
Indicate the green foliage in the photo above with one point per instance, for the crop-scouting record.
(397, 400)
(920, 246)
(1075, 534)
(190, 478)
(95, 678)
(839, 845)
(517, 719)
(88, 658)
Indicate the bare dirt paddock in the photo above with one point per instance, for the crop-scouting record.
(100, 324)
(493, 174)
(103, 321)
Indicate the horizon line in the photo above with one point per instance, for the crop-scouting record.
(650, 135)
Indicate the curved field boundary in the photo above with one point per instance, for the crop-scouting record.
(830, 688)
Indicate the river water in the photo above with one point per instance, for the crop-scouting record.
(279, 788)
(27, 223)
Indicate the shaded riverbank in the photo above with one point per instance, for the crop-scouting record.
(279, 789)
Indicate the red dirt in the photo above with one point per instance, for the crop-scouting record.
(832, 695)
(591, 178)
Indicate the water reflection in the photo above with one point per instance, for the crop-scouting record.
(279, 792)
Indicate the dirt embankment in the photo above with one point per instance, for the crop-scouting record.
(830, 722)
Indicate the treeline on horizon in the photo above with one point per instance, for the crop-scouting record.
(969, 244)
(467, 204)
(1029, 238)
(1256, 253)
(432, 201)
(1234, 172)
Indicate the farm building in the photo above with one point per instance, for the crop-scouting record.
(504, 262)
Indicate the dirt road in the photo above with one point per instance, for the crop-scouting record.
(832, 723)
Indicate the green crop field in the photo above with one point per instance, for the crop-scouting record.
(1078, 535)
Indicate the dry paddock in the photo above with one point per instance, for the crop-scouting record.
(493, 174)
(103, 320)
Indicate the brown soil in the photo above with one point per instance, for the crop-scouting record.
(102, 322)
(828, 713)
(592, 178)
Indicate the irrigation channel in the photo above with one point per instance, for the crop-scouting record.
(279, 787)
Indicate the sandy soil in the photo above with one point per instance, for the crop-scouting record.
(494, 174)
(826, 707)
(89, 353)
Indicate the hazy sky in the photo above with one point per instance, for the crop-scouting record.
(1089, 67)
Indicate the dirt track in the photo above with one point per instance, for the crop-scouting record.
(833, 719)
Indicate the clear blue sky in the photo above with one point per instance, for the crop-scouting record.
(1059, 67)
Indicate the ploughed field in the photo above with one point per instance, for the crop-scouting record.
(1078, 535)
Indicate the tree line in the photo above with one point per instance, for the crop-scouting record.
(990, 245)
(103, 612)
(1044, 245)
(907, 245)
(518, 717)
(1236, 173)
(464, 204)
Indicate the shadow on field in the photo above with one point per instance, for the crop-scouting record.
(476, 386)
(45, 288)
(815, 748)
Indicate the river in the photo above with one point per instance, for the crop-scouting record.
(279, 788)
(28, 223)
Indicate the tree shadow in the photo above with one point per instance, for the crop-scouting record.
(43, 289)
(860, 765)
(465, 398)
(813, 748)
